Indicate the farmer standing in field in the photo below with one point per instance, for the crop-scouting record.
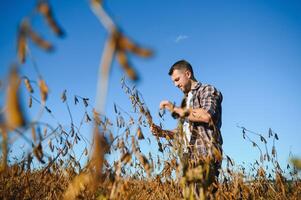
(200, 117)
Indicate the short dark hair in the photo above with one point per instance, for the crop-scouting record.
(180, 65)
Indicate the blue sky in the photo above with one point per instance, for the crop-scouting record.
(249, 50)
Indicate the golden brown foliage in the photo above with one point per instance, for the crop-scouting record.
(133, 173)
(13, 111)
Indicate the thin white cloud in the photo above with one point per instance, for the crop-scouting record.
(180, 38)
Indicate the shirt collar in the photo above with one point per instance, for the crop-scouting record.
(197, 86)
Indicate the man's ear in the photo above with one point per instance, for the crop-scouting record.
(188, 73)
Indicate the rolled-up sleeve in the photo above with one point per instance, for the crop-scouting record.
(205, 137)
(210, 100)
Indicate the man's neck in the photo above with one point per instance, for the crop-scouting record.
(193, 84)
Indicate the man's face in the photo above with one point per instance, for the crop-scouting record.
(181, 79)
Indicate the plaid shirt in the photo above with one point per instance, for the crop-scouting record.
(204, 138)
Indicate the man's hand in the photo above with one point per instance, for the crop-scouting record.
(166, 105)
(159, 132)
(156, 130)
(179, 112)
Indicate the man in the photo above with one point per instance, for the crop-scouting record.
(200, 119)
